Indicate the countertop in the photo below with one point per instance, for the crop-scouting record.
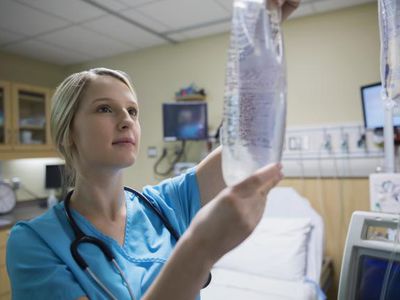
(24, 210)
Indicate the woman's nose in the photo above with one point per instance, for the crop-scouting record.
(125, 121)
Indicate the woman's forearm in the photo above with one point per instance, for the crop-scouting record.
(185, 272)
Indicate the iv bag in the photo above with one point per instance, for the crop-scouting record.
(254, 116)
(389, 24)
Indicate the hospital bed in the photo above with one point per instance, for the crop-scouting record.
(282, 259)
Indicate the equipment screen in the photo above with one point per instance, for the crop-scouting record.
(371, 276)
(185, 121)
(374, 107)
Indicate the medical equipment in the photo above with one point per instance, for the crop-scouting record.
(373, 107)
(371, 261)
(384, 191)
(81, 238)
(255, 91)
(185, 121)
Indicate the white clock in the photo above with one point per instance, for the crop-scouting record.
(8, 198)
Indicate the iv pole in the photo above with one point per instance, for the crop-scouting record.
(389, 138)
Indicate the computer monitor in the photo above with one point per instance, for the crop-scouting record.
(185, 121)
(53, 176)
(374, 107)
(371, 262)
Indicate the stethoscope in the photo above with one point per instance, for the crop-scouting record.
(81, 238)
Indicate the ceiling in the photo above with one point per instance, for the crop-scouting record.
(71, 31)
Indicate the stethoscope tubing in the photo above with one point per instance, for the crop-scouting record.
(81, 237)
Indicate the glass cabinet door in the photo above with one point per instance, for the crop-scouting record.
(31, 128)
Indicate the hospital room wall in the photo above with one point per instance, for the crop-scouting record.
(16, 68)
(329, 56)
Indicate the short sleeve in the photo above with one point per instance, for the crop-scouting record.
(34, 270)
(178, 198)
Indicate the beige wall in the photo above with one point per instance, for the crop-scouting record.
(329, 56)
(25, 70)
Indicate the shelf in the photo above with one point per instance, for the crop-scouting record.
(191, 98)
(32, 99)
(32, 127)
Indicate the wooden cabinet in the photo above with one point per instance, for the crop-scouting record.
(24, 121)
(5, 292)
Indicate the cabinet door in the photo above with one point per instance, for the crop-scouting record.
(31, 115)
(5, 116)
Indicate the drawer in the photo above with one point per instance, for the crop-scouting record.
(4, 282)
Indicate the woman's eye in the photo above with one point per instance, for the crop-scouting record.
(104, 109)
(133, 112)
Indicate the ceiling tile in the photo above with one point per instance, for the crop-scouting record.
(24, 20)
(123, 31)
(179, 14)
(85, 41)
(147, 21)
(112, 4)
(45, 52)
(226, 4)
(134, 3)
(9, 37)
(209, 30)
(71, 10)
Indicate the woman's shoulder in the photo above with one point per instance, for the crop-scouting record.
(41, 227)
(182, 181)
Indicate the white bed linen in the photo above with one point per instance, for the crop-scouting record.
(232, 285)
(276, 249)
(285, 202)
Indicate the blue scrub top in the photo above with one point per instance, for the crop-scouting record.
(40, 264)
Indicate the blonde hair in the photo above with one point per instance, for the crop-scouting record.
(65, 104)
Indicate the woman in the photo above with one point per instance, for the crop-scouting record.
(95, 125)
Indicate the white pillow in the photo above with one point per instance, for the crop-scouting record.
(277, 248)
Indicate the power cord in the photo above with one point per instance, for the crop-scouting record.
(164, 155)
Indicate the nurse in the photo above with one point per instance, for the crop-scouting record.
(95, 126)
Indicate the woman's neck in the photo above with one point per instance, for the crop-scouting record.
(99, 196)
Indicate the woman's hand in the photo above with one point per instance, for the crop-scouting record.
(287, 6)
(226, 221)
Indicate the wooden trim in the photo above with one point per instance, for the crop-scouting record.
(7, 115)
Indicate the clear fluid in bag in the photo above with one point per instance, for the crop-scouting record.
(255, 92)
(389, 21)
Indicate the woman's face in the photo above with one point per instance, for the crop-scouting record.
(106, 129)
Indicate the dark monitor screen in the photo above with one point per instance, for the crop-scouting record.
(185, 121)
(374, 108)
(53, 176)
(371, 276)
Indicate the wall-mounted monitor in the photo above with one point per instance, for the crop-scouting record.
(374, 107)
(185, 121)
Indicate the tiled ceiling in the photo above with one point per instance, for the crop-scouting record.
(71, 31)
